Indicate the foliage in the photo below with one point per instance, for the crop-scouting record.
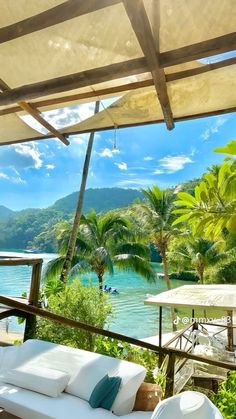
(145, 357)
(223, 273)
(230, 148)
(225, 399)
(196, 253)
(20, 231)
(184, 276)
(36, 227)
(80, 303)
(212, 208)
(104, 241)
(156, 213)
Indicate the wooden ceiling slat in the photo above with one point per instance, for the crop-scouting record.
(74, 81)
(199, 50)
(58, 14)
(142, 28)
(200, 70)
(125, 87)
(36, 115)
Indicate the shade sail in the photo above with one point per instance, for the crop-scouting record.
(203, 296)
(56, 53)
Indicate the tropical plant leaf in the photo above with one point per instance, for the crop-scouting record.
(230, 148)
(137, 264)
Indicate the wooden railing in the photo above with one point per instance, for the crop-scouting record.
(31, 310)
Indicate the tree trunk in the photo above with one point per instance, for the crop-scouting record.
(100, 282)
(73, 235)
(200, 270)
(167, 279)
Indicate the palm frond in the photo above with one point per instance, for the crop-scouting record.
(128, 262)
(138, 249)
(53, 268)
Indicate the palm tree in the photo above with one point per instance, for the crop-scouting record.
(104, 241)
(157, 208)
(198, 254)
(67, 262)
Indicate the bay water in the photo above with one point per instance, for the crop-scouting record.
(130, 315)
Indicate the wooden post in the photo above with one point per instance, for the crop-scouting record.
(30, 324)
(230, 329)
(160, 358)
(170, 376)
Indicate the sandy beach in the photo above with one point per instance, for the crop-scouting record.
(9, 338)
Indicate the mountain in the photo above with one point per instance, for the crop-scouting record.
(34, 227)
(103, 199)
(5, 212)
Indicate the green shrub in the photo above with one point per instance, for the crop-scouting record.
(225, 273)
(145, 357)
(76, 302)
(225, 399)
(184, 276)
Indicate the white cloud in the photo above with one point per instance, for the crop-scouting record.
(172, 164)
(122, 165)
(148, 158)
(214, 128)
(50, 166)
(135, 183)
(3, 175)
(108, 152)
(158, 171)
(30, 153)
(12, 179)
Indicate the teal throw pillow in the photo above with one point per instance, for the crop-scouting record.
(105, 392)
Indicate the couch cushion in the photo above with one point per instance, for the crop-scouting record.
(30, 405)
(42, 380)
(86, 369)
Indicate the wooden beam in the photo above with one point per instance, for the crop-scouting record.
(199, 50)
(36, 115)
(58, 14)
(103, 74)
(124, 87)
(81, 96)
(74, 81)
(130, 125)
(200, 70)
(30, 309)
(142, 28)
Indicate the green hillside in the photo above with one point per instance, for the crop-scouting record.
(100, 200)
(5, 212)
(33, 227)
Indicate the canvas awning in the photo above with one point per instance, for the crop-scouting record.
(197, 296)
(56, 53)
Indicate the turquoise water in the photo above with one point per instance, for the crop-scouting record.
(130, 316)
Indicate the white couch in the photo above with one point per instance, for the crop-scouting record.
(85, 370)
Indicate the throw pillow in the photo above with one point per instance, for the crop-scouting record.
(105, 392)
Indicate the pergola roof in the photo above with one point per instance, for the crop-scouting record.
(54, 54)
(197, 296)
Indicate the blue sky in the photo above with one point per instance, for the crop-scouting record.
(38, 173)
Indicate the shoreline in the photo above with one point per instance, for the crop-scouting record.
(10, 338)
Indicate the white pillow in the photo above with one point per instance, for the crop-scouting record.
(42, 380)
(94, 369)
